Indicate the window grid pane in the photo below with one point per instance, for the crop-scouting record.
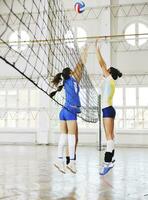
(23, 98)
(143, 101)
(2, 98)
(12, 99)
(118, 97)
(16, 104)
(130, 96)
(135, 113)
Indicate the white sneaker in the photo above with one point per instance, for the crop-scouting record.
(106, 167)
(72, 166)
(59, 164)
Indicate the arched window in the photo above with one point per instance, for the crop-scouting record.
(80, 34)
(136, 28)
(19, 40)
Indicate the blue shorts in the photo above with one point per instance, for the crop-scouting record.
(109, 112)
(67, 115)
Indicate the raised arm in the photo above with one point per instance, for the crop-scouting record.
(101, 61)
(77, 72)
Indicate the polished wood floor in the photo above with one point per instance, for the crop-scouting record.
(27, 173)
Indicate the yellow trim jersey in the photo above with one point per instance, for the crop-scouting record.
(108, 90)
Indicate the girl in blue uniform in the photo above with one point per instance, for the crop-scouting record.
(108, 88)
(68, 114)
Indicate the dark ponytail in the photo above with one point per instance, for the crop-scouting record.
(52, 94)
(56, 80)
(115, 73)
(119, 74)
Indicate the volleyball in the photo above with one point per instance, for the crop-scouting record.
(79, 6)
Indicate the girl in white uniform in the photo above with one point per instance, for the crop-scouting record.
(108, 89)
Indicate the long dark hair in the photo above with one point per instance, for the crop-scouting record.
(58, 78)
(115, 73)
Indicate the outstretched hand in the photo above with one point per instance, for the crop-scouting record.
(77, 73)
(85, 48)
(96, 44)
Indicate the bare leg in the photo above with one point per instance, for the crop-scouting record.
(109, 128)
(63, 127)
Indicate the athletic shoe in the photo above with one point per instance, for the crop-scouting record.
(72, 166)
(106, 168)
(59, 164)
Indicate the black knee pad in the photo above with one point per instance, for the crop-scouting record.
(75, 157)
(67, 160)
(108, 157)
(113, 152)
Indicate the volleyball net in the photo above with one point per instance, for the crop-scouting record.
(36, 39)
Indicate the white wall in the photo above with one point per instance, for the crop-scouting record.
(129, 61)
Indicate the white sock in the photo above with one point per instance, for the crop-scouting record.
(110, 146)
(61, 145)
(71, 145)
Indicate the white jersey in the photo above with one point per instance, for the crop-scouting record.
(107, 93)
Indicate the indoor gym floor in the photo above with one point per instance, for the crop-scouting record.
(27, 173)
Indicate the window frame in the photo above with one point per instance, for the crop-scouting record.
(136, 39)
(135, 110)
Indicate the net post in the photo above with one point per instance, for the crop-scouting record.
(99, 128)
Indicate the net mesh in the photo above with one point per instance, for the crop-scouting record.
(37, 40)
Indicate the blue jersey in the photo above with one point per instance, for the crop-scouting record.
(72, 93)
